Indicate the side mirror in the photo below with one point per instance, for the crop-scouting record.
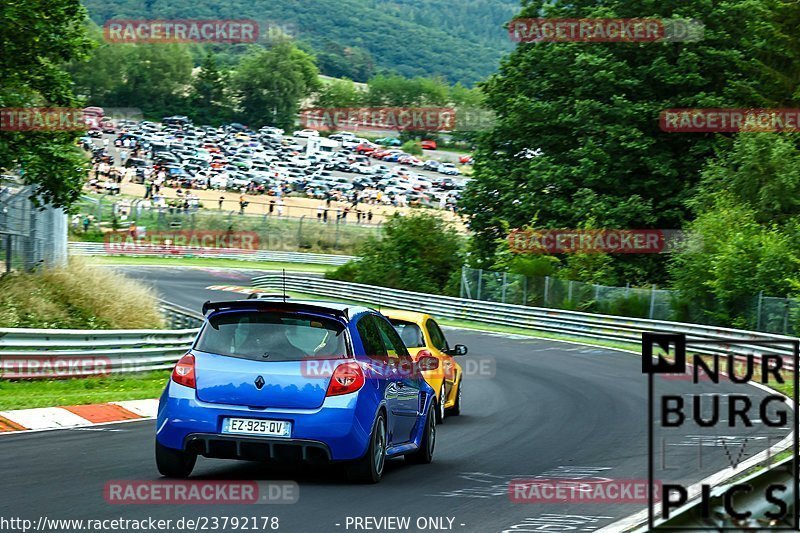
(458, 349)
(427, 362)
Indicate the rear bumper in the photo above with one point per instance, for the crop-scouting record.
(339, 430)
(257, 448)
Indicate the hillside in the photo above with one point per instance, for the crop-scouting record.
(460, 41)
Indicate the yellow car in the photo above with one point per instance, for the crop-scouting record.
(423, 336)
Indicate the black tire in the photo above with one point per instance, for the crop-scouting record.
(456, 409)
(174, 463)
(369, 469)
(425, 453)
(440, 410)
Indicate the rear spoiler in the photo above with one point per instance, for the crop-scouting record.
(270, 303)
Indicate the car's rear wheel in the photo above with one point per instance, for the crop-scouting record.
(440, 410)
(456, 409)
(369, 469)
(174, 463)
(424, 454)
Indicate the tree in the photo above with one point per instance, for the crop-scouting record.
(760, 171)
(209, 94)
(156, 78)
(271, 83)
(420, 252)
(339, 93)
(577, 135)
(747, 232)
(38, 38)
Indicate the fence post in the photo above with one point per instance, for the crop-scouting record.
(524, 290)
(505, 275)
(786, 316)
(480, 283)
(546, 289)
(652, 301)
(758, 310)
(9, 255)
(300, 232)
(569, 292)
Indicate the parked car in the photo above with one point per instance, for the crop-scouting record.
(428, 144)
(306, 133)
(311, 381)
(449, 169)
(389, 141)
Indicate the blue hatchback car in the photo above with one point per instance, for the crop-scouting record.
(319, 382)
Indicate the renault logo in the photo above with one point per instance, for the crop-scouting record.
(259, 382)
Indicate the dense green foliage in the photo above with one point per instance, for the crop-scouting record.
(270, 84)
(577, 137)
(37, 39)
(418, 253)
(460, 41)
(746, 236)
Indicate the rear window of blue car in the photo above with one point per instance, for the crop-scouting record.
(273, 336)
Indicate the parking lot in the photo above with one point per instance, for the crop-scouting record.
(265, 171)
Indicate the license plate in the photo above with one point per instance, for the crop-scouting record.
(252, 426)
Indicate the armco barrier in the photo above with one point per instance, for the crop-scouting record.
(572, 323)
(23, 350)
(143, 250)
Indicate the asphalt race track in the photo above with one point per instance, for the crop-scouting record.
(546, 409)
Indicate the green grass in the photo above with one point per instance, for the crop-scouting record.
(204, 262)
(48, 393)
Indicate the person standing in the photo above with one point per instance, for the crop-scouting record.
(369, 217)
(319, 213)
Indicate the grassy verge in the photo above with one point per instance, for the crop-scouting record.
(78, 296)
(48, 393)
(206, 262)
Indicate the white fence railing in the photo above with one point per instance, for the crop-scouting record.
(146, 250)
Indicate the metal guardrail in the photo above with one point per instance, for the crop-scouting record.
(43, 353)
(146, 250)
(179, 317)
(572, 323)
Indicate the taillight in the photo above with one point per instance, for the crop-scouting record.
(347, 378)
(183, 374)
